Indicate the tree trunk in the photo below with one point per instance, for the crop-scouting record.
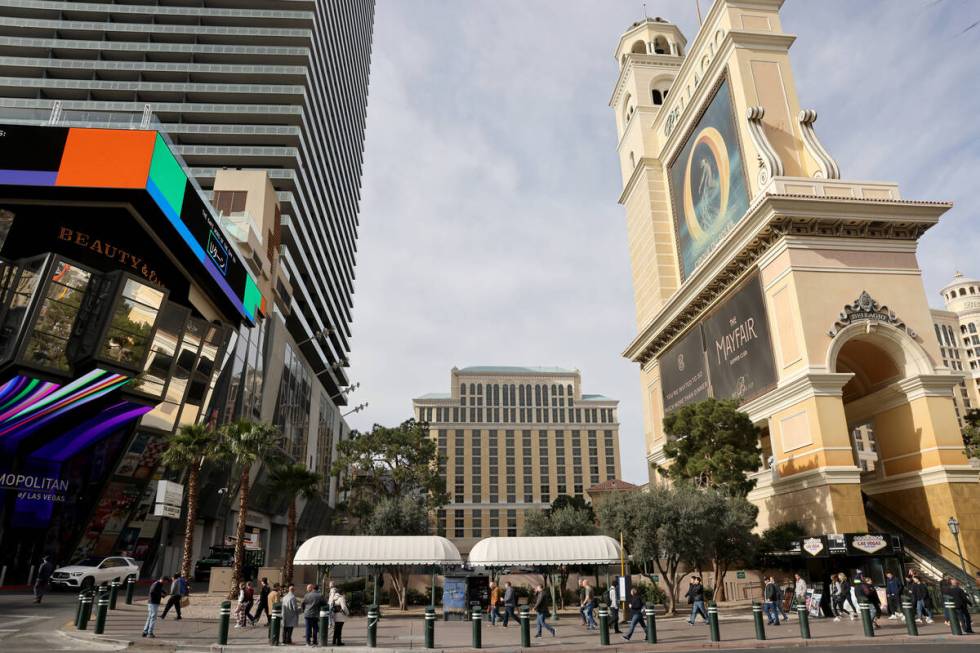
(240, 532)
(192, 475)
(719, 571)
(287, 565)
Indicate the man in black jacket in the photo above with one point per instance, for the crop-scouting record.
(695, 598)
(961, 605)
(263, 603)
(157, 592)
(510, 603)
(636, 613)
(541, 603)
(771, 595)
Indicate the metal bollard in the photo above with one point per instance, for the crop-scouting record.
(430, 627)
(869, 627)
(650, 611)
(910, 624)
(804, 616)
(372, 625)
(86, 610)
(130, 588)
(114, 594)
(275, 623)
(102, 612)
(78, 609)
(525, 617)
(713, 622)
(324, 626)
(760, 629)
(603, 625)
(224, 616)
(477, 612)
(953, 617)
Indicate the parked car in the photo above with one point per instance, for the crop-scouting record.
(223, 555)
(92, 571)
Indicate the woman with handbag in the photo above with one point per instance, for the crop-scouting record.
(338, 613)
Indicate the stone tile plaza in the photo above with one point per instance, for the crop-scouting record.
(330, 323)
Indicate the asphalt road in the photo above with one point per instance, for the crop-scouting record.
(26, 626)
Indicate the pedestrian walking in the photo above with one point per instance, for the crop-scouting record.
(581, 585)
(338, 613)
(588, 605)
(799, 591)
(893, 594)
(785, 602)
(290, 614)
(249, 602)
(613, 597)
(311, 604)
(541, 605)
(840, 590)
(496, 601)
(510, 603)
(636, 614)
(43, 579)
(262, 604)
(771, 597)
(157, 592)
(961, 605)
(695, 599)
(178, 590)
(870, 594)
(920, 596)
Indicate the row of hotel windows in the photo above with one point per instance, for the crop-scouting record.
(510, 494)
(441, 415)
(499, 523)
(517, 395)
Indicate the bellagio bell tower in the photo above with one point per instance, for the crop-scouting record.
(761, 274)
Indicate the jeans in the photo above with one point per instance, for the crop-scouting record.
(614, 618)
(40, 587)
(893, 604)
(586, 611)
(542, 623)
(772, 612)
(151, 617)
(312, 630)
(966, 623)
(509, 614)
(636, 619)
(921, 610)
(494, 615)
(287, 634)
(698, 608)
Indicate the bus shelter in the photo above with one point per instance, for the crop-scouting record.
(379, 552)
(549, 553)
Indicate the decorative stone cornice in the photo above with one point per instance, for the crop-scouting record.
(827, 166)
(865, 308)
(770, 218)
(794, 390)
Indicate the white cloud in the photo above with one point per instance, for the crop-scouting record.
(490, 232)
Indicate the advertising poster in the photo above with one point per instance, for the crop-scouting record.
(738, 347)
(683, 376)
(707, 180)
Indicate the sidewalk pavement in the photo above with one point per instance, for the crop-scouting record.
(124, 627)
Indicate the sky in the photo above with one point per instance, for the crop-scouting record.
(490, 232)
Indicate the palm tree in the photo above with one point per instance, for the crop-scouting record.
(187, 450)
(293, 481)
(245, 443)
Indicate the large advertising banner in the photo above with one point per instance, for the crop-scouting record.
(708, 187)
(683, 376)
(737, 343)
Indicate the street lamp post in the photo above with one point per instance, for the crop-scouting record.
(954, 528)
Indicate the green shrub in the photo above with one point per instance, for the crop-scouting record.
(651, 593)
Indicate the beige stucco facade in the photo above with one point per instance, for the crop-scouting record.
(851, 345)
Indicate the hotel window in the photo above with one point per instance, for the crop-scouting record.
(521, 398)
(509, 461)
(493, 470)
(537, 395)
(511, 523)
(577, 463)
(560, 462)
(476, 460)
(543, 465)
(607, 437)
(494, 522)
(441, 523)
(593, 458)
(442, 452)
(526, 454)
(462, 390)
(455, 413)
(459, 486)
(477, 524)
(458, 526)
(229, 202)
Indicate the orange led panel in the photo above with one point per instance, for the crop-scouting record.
(106, 158)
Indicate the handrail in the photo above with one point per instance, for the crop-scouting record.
(929, 540)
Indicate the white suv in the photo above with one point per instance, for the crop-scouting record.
(93, 571)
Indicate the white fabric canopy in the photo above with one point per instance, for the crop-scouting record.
(377, 550)
(528, 551)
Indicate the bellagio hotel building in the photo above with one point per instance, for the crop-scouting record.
(512, 439)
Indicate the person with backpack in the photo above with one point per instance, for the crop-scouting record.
(695, 598)
(636, 613)
(338, 613)
(178, 590)
(157, 592)
(771, 595)
(541, 605)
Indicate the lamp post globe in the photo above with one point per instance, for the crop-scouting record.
(954, 526)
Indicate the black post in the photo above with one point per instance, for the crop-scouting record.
(324, 627)
(114, 593)
(866, 620)
(102, 612)
(910, 624)
(78, 610)
(86, 610)
(603, 625)
(275, 623)
(650, 611)
(130, 588)
(373, 615)
(430, 627)
(954, 619)
(477, 616)
(525, 627)
(804, 621)
(224, 616)
(760, 629)
(713, 622)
